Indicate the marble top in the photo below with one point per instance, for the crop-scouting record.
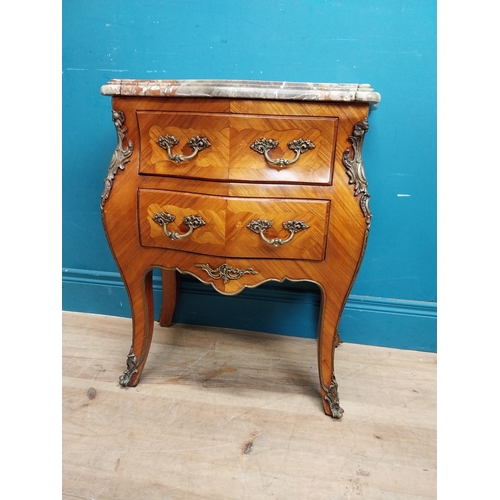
(245, 89)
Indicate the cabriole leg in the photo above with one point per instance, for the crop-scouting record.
(170, 283)
(140, 290)
(327, 341)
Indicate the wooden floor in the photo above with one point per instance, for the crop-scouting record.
(224, 414)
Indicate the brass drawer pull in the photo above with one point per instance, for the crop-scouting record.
(293, 226)
(263, 146)
(169, 141)
(192, 221)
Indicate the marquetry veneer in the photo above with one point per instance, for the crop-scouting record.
(237, 183)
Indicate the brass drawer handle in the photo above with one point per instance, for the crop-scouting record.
(293, 226)
(263, 146)
(169, 141)
(192, 221)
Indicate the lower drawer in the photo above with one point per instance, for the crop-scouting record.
(233, 227)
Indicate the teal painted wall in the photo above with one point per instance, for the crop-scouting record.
(390, 44)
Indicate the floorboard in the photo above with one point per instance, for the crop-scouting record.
(225, 414)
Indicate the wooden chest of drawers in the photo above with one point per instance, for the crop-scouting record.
(237, 183)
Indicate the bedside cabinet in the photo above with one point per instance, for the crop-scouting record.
(237, 183)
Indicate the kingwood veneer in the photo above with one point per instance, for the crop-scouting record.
(237, 183)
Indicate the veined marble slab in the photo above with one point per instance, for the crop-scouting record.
(245, 89)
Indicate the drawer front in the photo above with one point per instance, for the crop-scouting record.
(241, 148)
(208, 163)
(314, 165)
(283, 229)
(209, 238)
(234, 227)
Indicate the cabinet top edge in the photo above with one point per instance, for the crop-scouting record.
(244, 89)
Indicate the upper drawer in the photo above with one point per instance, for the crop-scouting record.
(298, 150)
